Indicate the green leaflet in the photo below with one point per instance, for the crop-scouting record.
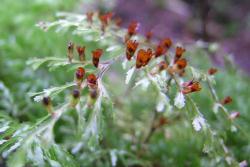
(7, 100)
(28, 149)
(53, 62)
(57, 154)
(17, 159)
(52, 92)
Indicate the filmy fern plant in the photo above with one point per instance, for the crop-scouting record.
(89, 125)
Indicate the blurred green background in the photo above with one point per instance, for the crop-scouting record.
(21, 40)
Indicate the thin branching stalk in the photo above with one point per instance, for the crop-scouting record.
(224, 110)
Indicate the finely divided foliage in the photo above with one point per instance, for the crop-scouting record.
(162, 66)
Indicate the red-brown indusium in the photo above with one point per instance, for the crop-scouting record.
(96, 54)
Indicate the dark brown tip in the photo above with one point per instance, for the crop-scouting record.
(76, 93)
(46, 101)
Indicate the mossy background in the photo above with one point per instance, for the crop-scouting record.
(21, 40)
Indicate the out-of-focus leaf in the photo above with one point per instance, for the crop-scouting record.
(179, 100)
(17, 159)
(7, 100)
(38, 96)
(58, 156)
(129, 75)
(54, 62)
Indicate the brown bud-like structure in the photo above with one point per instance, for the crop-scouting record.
(212, 71)
(96, 54)
(180, 64)
(93, 88)
(162, 66)
(70, 51)
(143, 57)
(80, 72)
(226, 100)
(79, 75)
(81, 52)
(132, 28)
(105, 18)
(92, 81)
(48, 104)
(159, 67)
(131, 48)
(93, 93)
(46, 101)
(179, 52)
(76, 93)
(162, 121)
(190, 86)
(167, 42)
(75, 97)
(160, 50)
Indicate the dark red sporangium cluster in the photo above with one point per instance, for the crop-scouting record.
(91, 81)
(131, 48)
(190, 86)
(143, 56)
(105, 18)
(80, 73)
(81, 52)
(96, 54)
(140, 52)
